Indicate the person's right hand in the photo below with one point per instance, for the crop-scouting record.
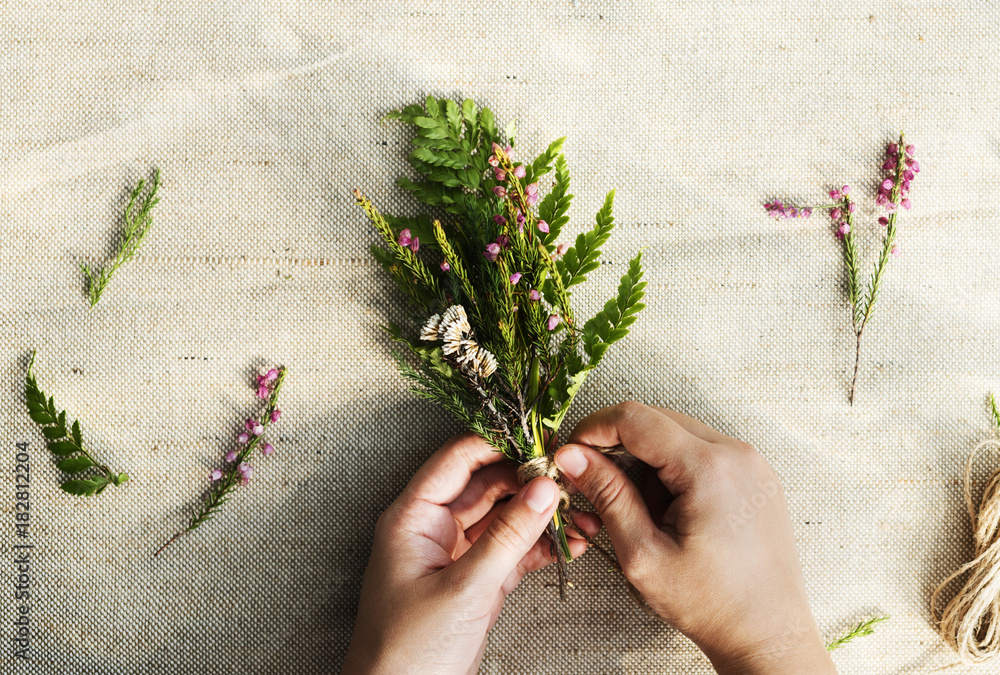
(708, 541)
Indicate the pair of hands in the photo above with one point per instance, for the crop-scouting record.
(707, 539)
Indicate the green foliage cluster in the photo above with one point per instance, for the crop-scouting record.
(66, 441)
(487, 203)
(138, 219)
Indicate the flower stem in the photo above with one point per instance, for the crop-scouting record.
(857, 365)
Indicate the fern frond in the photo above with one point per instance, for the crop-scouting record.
(66, 441)
(554, 207)
(612, 323)
(581, 259)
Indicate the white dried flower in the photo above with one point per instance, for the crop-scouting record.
(430, 330)
(467, 352)
(455, 317)
(487, 365)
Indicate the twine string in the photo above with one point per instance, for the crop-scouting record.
(970, 622)
(546, 466)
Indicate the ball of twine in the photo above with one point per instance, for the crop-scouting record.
(970, 622)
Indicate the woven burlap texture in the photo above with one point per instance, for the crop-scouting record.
(263, 115)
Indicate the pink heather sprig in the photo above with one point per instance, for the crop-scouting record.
(892, 194)
(240, 470)
(520, 199)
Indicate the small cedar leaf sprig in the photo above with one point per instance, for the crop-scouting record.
(239, 471)
(861, 629)
(893, 194)
(138, 219)
(494, 339)
(66, 441)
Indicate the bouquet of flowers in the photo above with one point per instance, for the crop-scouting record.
(494, 338)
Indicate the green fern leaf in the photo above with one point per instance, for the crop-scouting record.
(554, 207)
(65, 440)
(611, 324)
(581, 259)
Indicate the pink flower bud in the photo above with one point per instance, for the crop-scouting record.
(851, 207)
(263, 392)
(905, 203)
(500, 191)
(275, 415)
(267, 449)
(892, 149)
(543, 226)
(910, 149)
(493, 161)
(515, 277)
(271, 376)
(519, 171)
(243, 438)
(835, 194)
(231, 456)
(499, 220)
(889, 164)
(552, 322)
(508, 150)
(562, 248)
(883, 221)
(405, 237)
(894, 250)
(497, 150)
(890, 207)
(534, 295)
(908, 174)
(504, 241)
(846, 190)
(215, 475)
(445, 266)
(531, 198)
(836, 214)
(415, 244)
(531, 188)
(499, 173)
(915, 165)
(887, 184)
(246, 470)
(491, 252)
(254, 427)
(806, 212)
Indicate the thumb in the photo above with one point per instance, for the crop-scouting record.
(615, 497)
(511, 535)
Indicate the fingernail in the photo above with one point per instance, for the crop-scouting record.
(540, 495)
(571, 462)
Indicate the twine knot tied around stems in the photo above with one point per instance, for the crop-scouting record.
(546, 466)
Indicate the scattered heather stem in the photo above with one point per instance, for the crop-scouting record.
(220, 492)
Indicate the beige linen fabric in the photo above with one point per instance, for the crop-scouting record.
(262, 116)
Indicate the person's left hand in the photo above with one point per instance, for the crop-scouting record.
(445, 556)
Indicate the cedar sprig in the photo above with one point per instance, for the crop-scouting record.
(499, 347)
(892, 195)
(239, 471)
(860, 629)
(66, 441)
(138, 219)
